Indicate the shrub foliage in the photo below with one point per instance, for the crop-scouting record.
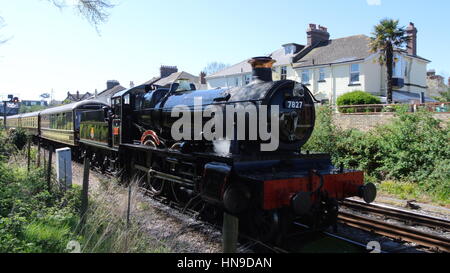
(414, 148)
(356, 98)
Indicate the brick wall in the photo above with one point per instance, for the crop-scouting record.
(367, 122)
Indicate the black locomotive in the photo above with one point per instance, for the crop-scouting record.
(266, 189)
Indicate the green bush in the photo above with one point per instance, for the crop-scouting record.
(357, 98)
(414, 149)
(19, 138)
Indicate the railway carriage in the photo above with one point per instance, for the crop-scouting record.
(13, 122)
(30, 123)
(62, 124)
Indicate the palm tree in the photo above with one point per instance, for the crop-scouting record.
(387, 37)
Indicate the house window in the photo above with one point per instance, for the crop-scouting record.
(283, 73)
(321, 74)
(236, 81)
(247, 79)
(354, 73)
(289, 49)
(398, 66)
(406, 68)
(305, 76)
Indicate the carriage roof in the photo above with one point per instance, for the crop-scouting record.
(72, 107)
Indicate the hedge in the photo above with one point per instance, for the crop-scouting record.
(356, 98)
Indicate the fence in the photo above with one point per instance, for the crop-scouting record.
(441, 107)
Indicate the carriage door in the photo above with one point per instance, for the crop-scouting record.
(116, 124)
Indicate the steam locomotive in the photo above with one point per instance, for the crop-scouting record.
(266, 189)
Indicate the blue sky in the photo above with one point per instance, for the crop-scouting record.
(57, 49)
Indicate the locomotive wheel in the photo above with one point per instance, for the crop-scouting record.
(150, 143)
(264, 225)
(156, 185)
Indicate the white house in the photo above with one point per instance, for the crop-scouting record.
(241, 74)
(331, 68)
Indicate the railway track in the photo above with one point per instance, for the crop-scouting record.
(398, 232)
(412, 219)
(404, 234)
(248, 243)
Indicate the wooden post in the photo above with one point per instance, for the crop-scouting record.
(45, 159)
(129, 205)
(230, 232)
(49, 168)
(85, 191)
(39, 154)
(28, 154)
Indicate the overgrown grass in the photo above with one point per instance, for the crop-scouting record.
(34, 220)
(107, 229)
(412, 153)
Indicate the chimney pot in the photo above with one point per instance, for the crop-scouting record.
(202, 77)
(315, 35)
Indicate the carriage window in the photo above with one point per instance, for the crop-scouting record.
(147, 102)
(126, 99)
(69, 123)
(116, 107)
(138, 101)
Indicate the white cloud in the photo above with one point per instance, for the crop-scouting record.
(373, 2)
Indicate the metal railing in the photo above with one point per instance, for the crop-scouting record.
(438, 107)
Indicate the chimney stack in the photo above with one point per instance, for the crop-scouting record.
(411, 31)
(166, 71)
(111, 83)
(202, 77)
(317, 34)
(262, 68)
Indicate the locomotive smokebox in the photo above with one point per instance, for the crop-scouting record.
(262, 68)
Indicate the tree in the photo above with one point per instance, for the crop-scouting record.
(2, 24)
(444, 96)
(95, 11)
(214, 67)
(29, 109)
(387, 37)
(45, 96)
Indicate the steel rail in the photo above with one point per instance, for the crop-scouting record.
(396, 232)
(398, 214)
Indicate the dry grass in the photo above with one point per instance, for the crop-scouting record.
(107, 229)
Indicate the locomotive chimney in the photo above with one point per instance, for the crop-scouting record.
(262, 68)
